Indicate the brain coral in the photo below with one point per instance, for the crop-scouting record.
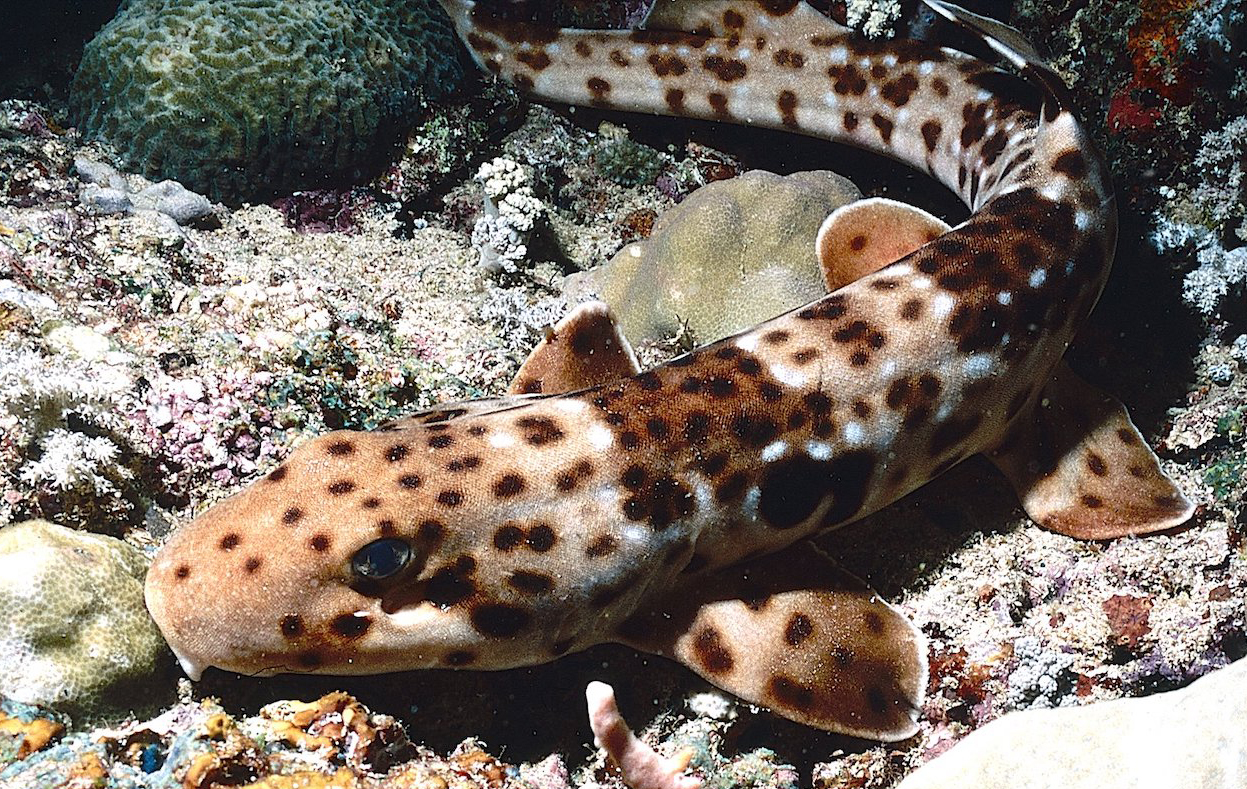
(74, 630)
(246, 98)
(734, 253)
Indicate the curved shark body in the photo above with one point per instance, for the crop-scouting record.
(648, 508)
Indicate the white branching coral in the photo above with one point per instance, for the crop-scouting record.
(1200, 217)
(73, 461)
(874, 18)
(57, 414)
(512, 214)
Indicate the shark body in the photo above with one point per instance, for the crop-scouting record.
(648, 508)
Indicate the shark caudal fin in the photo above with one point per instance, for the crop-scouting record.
(1081, 468)
(1011, 45)
(794, 633)
(584, 349)
(864, 236)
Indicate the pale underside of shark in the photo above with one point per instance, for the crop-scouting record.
(653, 508)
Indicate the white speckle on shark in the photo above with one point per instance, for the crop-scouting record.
(669, 509)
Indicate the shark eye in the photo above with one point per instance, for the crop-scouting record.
(381, 558)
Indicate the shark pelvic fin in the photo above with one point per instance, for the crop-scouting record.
(1081, 468)
(584, 349)
(795, 633)
(864, 236)
(727, 18)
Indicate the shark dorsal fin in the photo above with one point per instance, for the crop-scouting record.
(864, 236)
(584, 349)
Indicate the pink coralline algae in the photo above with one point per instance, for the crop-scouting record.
(218, 427)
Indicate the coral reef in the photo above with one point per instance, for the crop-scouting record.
(247, 97)
(77, 636)
(733, 253)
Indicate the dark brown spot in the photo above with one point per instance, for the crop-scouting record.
(675, 100)
(450, 498)
(342, 448)
(940, 87)
(789, 693)
(1071, 163)
(600, 89)
(508, 485)
(440, 441)
(873, 622)
(776, 337)
(1127, 436)
(530, 582)
(319, 542)
(410, 481)
(847, 80)
(182, 572)
(370, 503)
(539, 430)
(499, 620)
(541, 538)
(1096, 464)
(583, 49)
(292, 515)
(277, 474)
(711, 652)
(667, 65)
(341, 487)
(884, 125)
(396, 453)
(718, 103)
(799, 629)
(507, 537)
(350, 625)
(252, 564)
(601, 546)
(725, 69)
(230, 541)
(851, 121)
(292, 626)
(465, 463)
(787, 104)
(537, 61)
(786, 58)
(898, 91)
(931, 131)
(1092, 502)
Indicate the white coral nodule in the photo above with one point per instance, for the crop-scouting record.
(70, 460)
(512, 214)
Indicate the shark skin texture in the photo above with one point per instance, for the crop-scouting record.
(596, 503)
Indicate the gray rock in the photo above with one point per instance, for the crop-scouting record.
(174, 200)
(105, 199)
(1193, 738)
(93, 172)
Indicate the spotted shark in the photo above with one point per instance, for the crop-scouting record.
(670, 509)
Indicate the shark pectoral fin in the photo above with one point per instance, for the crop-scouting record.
(794, 633)
(584, 349)
(1081, 468)
(724, 18)
(864, 236)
